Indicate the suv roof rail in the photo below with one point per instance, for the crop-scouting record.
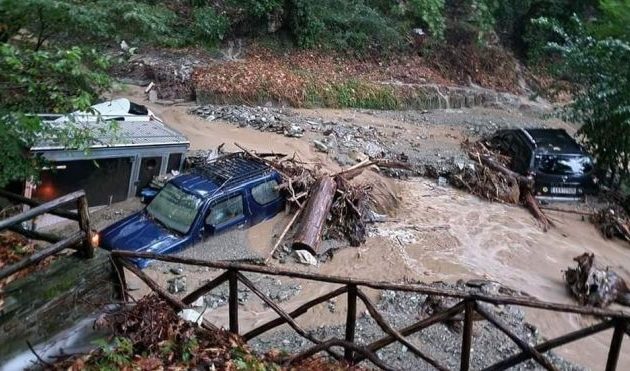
(529, 137)
(232, 168)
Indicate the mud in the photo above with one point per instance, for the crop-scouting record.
(437, 233)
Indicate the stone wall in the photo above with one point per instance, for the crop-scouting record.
(44, 303)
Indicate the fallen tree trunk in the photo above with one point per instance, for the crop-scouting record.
(534, 208)
(309, 232)
(523, 181)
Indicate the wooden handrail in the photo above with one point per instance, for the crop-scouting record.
(41, 209)
(416, 287)
(33, 203)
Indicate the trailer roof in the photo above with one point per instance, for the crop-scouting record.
(124, 134)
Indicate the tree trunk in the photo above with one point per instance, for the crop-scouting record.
(309, 232)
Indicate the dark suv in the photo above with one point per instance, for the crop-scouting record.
(561, 168)
(231, 192)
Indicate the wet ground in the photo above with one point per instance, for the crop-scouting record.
(440, 233)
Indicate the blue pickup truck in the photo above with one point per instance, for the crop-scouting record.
(233, 191)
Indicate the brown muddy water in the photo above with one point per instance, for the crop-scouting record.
(440, 234)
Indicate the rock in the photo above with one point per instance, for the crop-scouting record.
(320, 146)
(198, 303)
(177, 284)
(294, 131)
(177, 271)
(191, 315)
(442, 181)
(305, 257)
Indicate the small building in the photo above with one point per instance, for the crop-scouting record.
(117, 164)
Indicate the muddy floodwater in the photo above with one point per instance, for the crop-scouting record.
(437, 233)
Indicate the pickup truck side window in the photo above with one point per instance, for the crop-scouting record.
(266, 192)
(225, 210)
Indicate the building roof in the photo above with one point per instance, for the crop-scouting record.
(124, 134)
(554, 140)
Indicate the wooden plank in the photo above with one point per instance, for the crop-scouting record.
(293, 314)
(380, 320)
(530, 350)
(34, 235)
(309, 231)
(551, 344)
(84, 224)
(41, 209)
(42, 254)
(326, 345)
(418, 326)
(351, 320)
(190, 298)
(33, 203)
(284, 233)
(615, 345)
(467, 335)
(250, 285)
(233, 300)
(380, 285)
(165, 295)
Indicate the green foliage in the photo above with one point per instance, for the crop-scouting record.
(598, 69)
(353, 94)
(258, 8)
(431, 13)
(243, 361)
(208, 28)
(116, 356)
(109, 20)
(43, 81)
(343, 25)
(614, 19)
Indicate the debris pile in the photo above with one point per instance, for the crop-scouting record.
(150, 335)
(490, 177)
(260, 118)
(612, 222)
(595, 286)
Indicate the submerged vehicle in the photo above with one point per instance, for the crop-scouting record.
(230, 192)
(561, 168)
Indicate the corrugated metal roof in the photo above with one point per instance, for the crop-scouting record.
(126, 134)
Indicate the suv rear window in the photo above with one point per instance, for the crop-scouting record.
(564, 164)
(266, 192)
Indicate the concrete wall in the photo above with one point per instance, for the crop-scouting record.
(44, 303)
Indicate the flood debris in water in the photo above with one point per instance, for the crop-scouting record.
(595, 286)
(612, 221)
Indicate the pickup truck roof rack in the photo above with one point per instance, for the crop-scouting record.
(232, 168)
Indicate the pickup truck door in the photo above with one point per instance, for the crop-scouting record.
(226, 213)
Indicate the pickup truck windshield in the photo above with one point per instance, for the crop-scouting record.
(174, 208)
(564, 164)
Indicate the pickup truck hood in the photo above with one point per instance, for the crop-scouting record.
(139, 233)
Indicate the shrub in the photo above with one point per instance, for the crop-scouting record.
(208, 27)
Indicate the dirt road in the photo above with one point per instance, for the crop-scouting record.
(443, 234)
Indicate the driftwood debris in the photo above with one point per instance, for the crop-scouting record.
(492, 178)
(309, 231)
(595, 286)
(612, 221)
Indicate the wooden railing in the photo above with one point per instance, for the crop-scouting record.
(469, 305)
(81, 240)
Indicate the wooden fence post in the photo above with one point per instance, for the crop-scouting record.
(119, 270)
(615, 345)
(467, 335)
(233, 300)
(351, 318)
(84, 224)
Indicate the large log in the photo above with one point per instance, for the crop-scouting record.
(309, 232)
(534, 207)
(523, 181)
